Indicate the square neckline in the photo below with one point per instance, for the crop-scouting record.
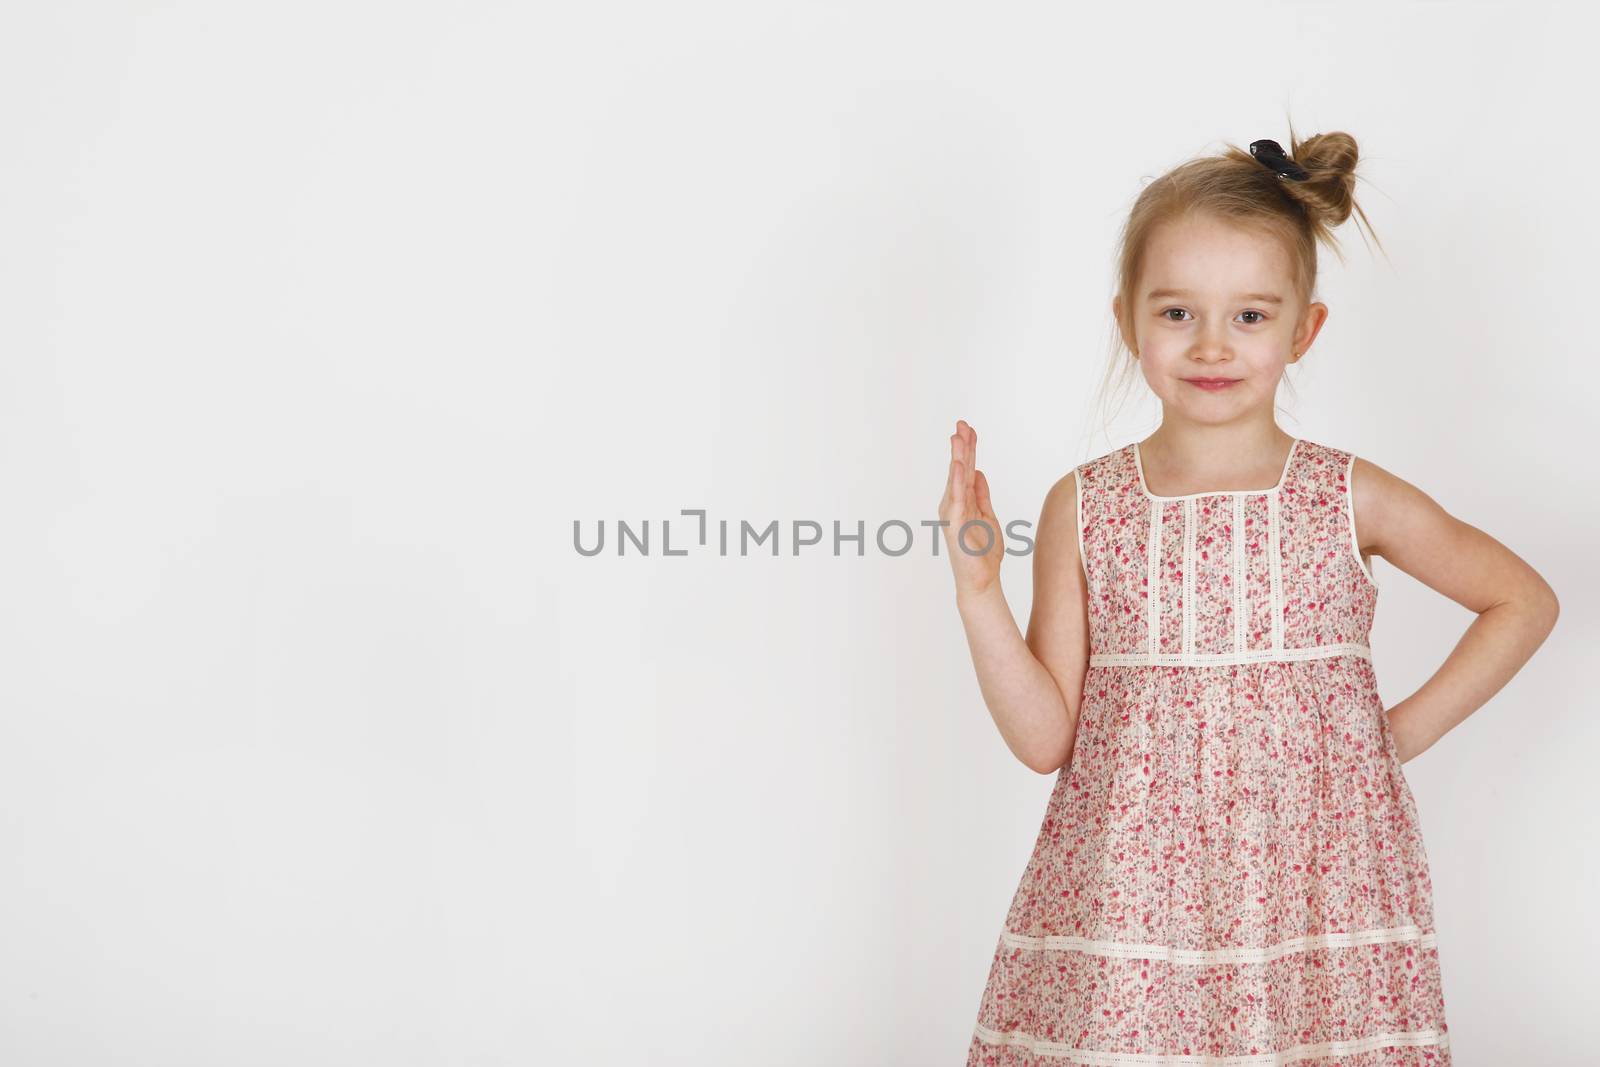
(1283, 476)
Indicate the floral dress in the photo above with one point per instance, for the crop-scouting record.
(1231, 867)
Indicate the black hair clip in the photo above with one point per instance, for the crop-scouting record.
(1271, 154)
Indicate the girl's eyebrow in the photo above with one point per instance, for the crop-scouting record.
(1260, 298)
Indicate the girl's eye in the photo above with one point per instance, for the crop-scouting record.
(1259, 316)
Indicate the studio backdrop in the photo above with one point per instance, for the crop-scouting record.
(338, 336)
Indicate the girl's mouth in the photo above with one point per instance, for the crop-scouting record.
(1213, 384)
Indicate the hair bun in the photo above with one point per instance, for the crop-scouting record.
(1328, 192)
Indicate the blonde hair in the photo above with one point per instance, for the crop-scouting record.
(1239, 189)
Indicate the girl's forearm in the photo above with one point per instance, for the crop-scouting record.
(1494, 648)
(1035, 719)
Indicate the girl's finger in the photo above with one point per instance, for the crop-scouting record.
(951, 480)
(969, 454)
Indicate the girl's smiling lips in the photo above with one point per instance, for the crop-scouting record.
(1211, 383)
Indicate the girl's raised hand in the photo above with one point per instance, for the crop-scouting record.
(966, 499)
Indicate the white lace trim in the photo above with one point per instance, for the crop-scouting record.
(1077, 488)
(1222, 659)
(1152, 603)
(1275, 571)
(1350, 510)
(1241, 631)
(1127, 950)
(1293, 1054)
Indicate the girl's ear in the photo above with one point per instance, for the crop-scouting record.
(1310, 325)
(1116, 315)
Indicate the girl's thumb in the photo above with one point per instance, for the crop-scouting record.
(982, 485)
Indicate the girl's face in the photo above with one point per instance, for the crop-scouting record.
(1217, 302)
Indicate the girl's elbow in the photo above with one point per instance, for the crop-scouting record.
(1545, 604)
(1051, 761)
(1551, 608)
(1042, 766)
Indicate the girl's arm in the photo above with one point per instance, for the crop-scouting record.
(1032, 687)
(1516, 607)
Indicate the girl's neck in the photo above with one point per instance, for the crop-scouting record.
(1206, 458)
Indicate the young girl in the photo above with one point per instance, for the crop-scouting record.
(1231, 868)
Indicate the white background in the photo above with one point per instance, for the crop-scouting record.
(321, 744)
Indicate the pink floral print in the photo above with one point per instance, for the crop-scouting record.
(1231, 867)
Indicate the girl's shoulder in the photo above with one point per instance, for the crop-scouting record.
(1098, 469)
(1323, 465)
